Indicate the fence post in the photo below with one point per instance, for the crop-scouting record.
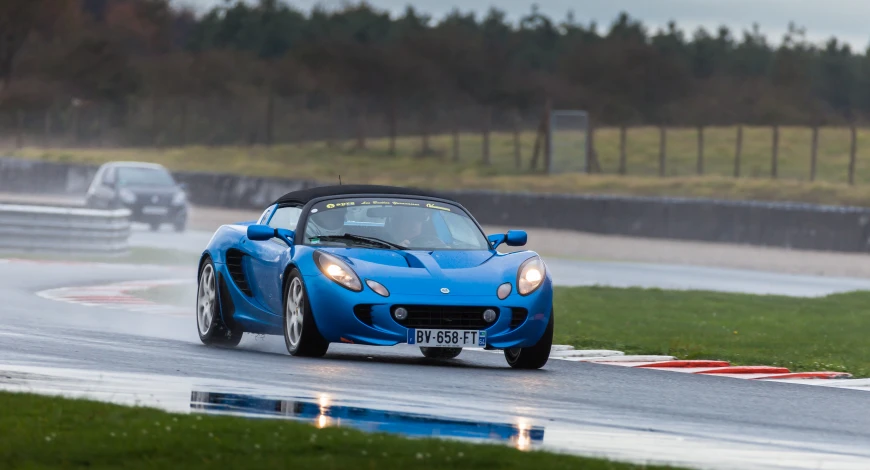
(19, 129)
(853, 150)
(548, 137)
(48, 127)
(517, 156)
(182, 128)
(487, 118)
(738, 152)
(774, 154)
(455, 134)
(623, 136)
(592, 165)
(700, 150)
(663, 146)
(814, 151)
(394, 124)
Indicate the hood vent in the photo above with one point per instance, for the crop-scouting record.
(237, 272)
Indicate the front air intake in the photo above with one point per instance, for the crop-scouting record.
(518, 316)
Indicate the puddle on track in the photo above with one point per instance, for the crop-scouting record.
(265, 401)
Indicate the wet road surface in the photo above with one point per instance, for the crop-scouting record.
(592, 409)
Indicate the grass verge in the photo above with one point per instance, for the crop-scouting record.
(374, 164)
(50, 432)
(802, 334)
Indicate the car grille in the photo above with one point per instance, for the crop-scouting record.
(447, 317)
(363, 313)
(518, 316)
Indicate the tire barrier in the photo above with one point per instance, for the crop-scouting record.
(64, 230)
(786, 225)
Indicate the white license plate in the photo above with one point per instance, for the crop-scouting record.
(155, 210)
(447, 338)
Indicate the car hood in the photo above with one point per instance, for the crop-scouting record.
(470, 273)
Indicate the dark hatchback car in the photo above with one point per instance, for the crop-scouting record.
(147, 189)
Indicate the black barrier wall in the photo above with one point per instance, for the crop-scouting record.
(799, 226)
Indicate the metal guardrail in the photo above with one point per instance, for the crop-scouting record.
(64, 229)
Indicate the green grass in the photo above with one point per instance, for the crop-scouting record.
(48, 432)
(136, 255)
(802, 334)
(374, 164)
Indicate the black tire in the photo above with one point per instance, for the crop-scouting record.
(211, 328)
(533, 357)
(440, 353)
(308, 340)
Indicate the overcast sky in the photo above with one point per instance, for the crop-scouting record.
(845, 19)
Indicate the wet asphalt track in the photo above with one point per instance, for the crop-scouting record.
(631, 414)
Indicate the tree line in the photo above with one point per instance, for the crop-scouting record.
(143, 70)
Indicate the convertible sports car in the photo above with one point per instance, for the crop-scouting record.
(375, 265)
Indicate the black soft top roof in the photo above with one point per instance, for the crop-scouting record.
(304, 195)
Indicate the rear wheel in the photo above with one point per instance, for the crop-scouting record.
(300, 332)
(440, 353)
(211, 328)
(533, 357)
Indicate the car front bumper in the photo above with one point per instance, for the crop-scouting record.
(333, 308)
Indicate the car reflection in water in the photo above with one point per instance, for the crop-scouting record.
(323, 413)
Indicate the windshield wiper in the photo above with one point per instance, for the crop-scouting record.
(360, 238)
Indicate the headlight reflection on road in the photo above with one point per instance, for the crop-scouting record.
(523, 439)
(324, 402)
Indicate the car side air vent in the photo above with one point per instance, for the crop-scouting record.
(237, 272)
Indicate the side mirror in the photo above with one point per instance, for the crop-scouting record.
(259, 233)
(182, 186)
(516, 238)
(511, 238)
(496, 239)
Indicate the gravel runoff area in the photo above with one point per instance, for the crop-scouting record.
(570, 244)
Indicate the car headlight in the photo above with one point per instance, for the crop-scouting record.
(127, 196)
(337, 270)
(530, 276)
(179, 198)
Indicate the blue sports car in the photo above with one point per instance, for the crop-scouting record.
(375, 265)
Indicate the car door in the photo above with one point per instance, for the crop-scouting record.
(268, 259)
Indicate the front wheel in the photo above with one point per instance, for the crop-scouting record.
(440, 353)
(211, 329)
(533, 357)
(300, 331)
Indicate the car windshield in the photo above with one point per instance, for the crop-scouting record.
(133, 176)
(391, 223)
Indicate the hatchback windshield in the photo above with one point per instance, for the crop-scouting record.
(412, 224)
(138, 176)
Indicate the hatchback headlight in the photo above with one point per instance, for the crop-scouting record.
(127, 196)
(337, 270)
(179, 198)
(530, 276)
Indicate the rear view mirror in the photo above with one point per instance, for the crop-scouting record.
(516, 238)
(511, 238)
(260, 233)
